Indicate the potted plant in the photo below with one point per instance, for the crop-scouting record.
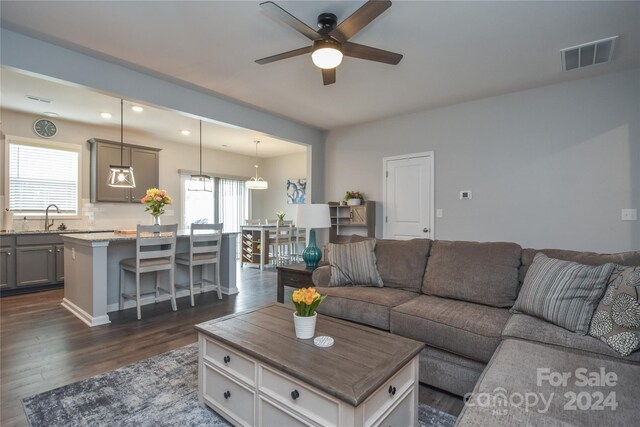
(280, 215)
(155, 200)
(306, 301)
(354, 198)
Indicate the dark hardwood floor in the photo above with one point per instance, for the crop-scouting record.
(43, 346)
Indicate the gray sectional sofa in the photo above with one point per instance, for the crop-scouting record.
(455, 297)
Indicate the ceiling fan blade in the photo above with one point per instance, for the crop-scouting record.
(279, 13)
(360, 51)
(285, 55)
(328, 76)
(359, 19)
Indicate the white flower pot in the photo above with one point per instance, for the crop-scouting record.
(305, 326)
(354, 202)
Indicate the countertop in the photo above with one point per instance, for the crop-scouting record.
(112, 237)
(33, 232)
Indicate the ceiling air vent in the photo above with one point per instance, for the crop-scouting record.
(37, 98)
(588, 54)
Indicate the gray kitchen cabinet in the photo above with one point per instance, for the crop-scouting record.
(59, 263)
(7, 268)
(146, 169)
(35, 265)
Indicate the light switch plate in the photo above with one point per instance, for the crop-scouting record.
(629, 214)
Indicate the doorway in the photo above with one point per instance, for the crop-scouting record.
(408, 196)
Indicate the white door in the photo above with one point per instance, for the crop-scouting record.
(408, 197)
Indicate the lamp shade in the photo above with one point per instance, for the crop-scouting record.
(313, 216)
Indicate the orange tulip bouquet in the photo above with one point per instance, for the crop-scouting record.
(306, 301)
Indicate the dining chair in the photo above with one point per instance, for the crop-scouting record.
(253, 222)
(280, 241)
(204, 251)
(155, 252)
(299, 242)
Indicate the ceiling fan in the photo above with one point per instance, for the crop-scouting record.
(331, 41)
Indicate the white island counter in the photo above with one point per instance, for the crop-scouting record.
(92, 272)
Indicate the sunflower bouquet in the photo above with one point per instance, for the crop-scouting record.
(306, 301)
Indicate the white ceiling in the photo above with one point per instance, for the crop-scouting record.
(79, 104)
(453, 51)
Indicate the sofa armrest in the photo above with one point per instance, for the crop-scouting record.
(321, 276)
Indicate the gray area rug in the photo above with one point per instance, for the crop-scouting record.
(159, 391)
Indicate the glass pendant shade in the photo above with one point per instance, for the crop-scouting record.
(121, 176)
(200, 182)
(326, 54)
(256, 183)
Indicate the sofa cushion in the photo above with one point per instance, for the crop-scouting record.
(485, 273)
(353, 264)
(563, 292)
(533, 329)
(464, 328)
(401, 263)
(587, 258)
(366, 305)
(616, 320)
(518, 373)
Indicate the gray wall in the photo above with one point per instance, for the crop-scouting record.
(548, 167)
(29, 54)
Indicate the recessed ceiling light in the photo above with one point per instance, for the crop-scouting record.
(105, 115)
(51, 114)
(137, 109)
(185, 132)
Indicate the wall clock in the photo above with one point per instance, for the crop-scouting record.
(45, 128)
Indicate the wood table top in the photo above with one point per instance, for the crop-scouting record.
(359, 362)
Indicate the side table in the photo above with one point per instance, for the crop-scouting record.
(293, 275)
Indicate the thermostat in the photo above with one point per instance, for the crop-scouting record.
(465, 195)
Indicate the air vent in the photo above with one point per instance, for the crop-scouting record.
(37, 98)
(588, 54)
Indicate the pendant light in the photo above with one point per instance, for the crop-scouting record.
(200, 182)
(121, 176)
(256, 183)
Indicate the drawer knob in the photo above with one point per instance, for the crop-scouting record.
(227, 394)
(227, 359)
(392, 390)
(295, 394)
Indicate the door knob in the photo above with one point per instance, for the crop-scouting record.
(425, 230)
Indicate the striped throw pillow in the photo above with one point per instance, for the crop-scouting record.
(353, 264)
(564, 293)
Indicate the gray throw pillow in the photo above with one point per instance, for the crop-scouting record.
(564, 293)
(617, 318)
(353, 264)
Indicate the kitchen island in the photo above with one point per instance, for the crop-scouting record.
(92, 272)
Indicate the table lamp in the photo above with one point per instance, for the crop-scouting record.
(312, 216)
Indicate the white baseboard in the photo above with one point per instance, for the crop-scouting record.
(83, 315)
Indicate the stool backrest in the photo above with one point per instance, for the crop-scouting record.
(156, 241)
(284, 233)
(205, 238)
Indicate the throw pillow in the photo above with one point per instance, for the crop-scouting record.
(564, 293)
(617, 318)
(353, 264)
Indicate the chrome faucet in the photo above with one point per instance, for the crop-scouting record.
(47, 226)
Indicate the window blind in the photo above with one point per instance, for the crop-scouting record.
(41, 176)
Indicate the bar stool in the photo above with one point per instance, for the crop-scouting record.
(155, 252)
(204, 250)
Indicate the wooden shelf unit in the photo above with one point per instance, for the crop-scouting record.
(348, 220)
(251, 246)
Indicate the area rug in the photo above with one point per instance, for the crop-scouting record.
(159, 391)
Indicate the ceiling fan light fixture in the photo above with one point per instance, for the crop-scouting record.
(326, 54)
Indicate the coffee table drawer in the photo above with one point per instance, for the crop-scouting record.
(301, 398)
(387, 395)
(271, 415)
(230, 361)
(401, 414)
(228, 396)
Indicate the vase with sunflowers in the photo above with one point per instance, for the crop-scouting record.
(306, 300)
(156, 200)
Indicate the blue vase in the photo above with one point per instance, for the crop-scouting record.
(312, 253)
